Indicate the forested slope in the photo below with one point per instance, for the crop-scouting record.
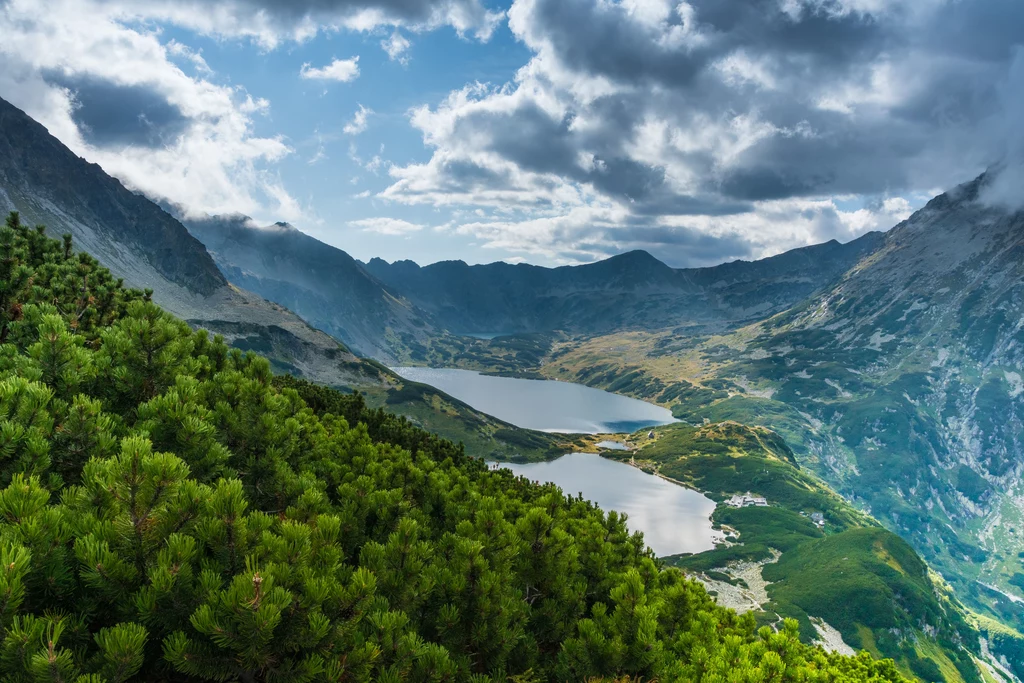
(170, 512)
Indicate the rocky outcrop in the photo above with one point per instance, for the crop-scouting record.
(50, 185)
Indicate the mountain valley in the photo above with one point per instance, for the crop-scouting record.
(898, 384)
(888, 369)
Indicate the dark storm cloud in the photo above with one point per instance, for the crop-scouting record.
(592, 37)
(108, 114)
(986, 30)
(535, 142)
(947, 63)
(755, 184)
(741, 119)
(601, 39)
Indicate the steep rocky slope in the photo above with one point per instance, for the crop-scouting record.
(913, 365)
(44, 180)
(914, 360)
(48, 184)
(901, 384)
(324, 285)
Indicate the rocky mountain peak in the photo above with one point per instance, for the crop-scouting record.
(51, 185)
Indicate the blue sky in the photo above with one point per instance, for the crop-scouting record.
(548, 131)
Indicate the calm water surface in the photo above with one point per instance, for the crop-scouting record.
(673, 519)
(545, 405)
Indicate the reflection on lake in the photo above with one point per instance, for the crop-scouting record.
(545, 405)
(673, 519)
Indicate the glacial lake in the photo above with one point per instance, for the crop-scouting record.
(544, 405)
(672, 518)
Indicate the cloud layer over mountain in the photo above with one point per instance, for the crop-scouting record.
(704, 129)
(642, 123)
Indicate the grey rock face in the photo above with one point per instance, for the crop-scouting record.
(324, 285)
(49, 184)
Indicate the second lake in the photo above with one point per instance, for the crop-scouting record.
(673, 519)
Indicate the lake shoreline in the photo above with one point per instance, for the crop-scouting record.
(673, 518)
(546, 405)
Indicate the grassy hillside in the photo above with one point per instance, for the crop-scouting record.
(859, 578)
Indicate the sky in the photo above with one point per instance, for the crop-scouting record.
(545, 131)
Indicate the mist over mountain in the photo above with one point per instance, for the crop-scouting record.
(324, 285)
(147, 247)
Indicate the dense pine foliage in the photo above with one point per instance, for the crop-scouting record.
(169, 511)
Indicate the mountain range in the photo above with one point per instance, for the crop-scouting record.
(393, 312)
(900, 383)
(629, 291)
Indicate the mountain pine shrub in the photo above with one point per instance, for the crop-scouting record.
(171, 511)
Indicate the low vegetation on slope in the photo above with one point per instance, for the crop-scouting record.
(788, 382)
(900, 383)
(861, 579)
(169, 511)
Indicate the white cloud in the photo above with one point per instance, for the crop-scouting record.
(341, 70)
(596, 230)
(194, 56)
(271, 22)
(359, 121)
(396, 46)
(321, 151)
(214, 162)
(387, 226)
(1003, 190)
(739, 68)
(317, 157)
(373, 165)
(705, 125)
